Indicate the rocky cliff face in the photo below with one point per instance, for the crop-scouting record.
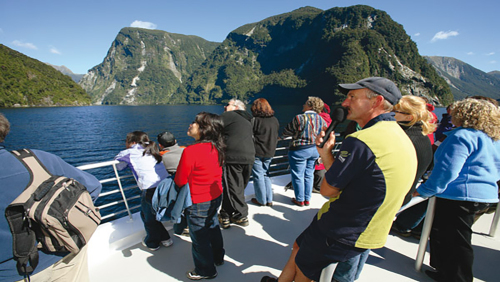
(309, 52)
(145, 67)
(465, 80)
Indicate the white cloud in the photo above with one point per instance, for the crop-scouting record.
(444, 35)
(54, 50)
(470, 53)
(142, 24)
(493, 62)
(24, 45)
(417, 34)
(490, 54)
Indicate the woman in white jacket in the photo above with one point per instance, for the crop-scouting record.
(142, 156)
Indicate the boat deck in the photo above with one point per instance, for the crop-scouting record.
(262, 248)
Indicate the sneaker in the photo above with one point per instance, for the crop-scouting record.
(185, 232)
(256, 202)
(316, 191)
(270, 204)
(167, 243)
(150, 248)
(241, 221)
(300, 204)
(224, 222)
(306, 203)
(195, 276)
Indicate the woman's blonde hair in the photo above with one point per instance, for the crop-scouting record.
(315, 103)
(417, 108)
(477, 114)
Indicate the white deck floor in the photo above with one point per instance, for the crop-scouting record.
(262, 248)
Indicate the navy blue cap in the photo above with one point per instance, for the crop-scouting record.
(379, 85)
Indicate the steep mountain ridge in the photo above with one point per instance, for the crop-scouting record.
(464, 79)
(308, 52)
(145, 67)
(27, 82)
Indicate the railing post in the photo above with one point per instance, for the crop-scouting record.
(494, 224)
(327, 273)
(121, 191)
(426, 231)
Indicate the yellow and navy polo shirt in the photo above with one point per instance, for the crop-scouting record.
(374, 169)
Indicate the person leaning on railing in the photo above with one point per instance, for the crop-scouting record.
(464, 181)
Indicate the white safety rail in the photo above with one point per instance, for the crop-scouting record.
(118, 179)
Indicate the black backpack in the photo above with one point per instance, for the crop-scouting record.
(53, 213)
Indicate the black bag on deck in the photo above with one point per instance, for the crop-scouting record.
(55, 211)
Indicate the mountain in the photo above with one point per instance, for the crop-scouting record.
(465, 80)
(145, 67)
(495, 74)
(25, 81)
(64, 70)
(308, 52)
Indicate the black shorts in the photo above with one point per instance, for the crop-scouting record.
(316, 251)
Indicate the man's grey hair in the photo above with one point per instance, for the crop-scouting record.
(239, 104)
(372, 94)
(4, 127)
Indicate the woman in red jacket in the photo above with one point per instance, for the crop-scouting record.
(201, 167)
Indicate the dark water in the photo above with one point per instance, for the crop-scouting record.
(82, 135)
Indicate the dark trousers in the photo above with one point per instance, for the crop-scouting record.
(206, 237)
(155, 231)
(450, 241)
(235, 178)
(319, 175)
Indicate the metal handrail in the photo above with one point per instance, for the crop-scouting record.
(118, 179)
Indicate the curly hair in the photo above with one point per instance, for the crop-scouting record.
(417, 108)
(261, 108)
(477, 114)
(315, 103)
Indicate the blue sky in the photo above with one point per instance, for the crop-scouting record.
(78, 34)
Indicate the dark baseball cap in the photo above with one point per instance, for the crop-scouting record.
(379, 85)
(166, 139)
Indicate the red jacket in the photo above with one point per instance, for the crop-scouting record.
(199, 166)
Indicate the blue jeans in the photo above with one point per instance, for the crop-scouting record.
(261, 182)
(302, 170)
(206, 237)
(348, 271)
(155, 231)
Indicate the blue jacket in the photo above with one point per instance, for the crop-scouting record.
(13, 179)
(168, 202)
(466, 168)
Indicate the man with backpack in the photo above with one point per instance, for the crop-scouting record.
(14, 177)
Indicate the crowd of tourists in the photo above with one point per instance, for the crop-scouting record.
(385, 159)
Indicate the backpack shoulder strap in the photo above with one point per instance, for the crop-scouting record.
(24, 239)
(38, 172)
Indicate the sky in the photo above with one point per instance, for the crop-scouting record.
(78, 34)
